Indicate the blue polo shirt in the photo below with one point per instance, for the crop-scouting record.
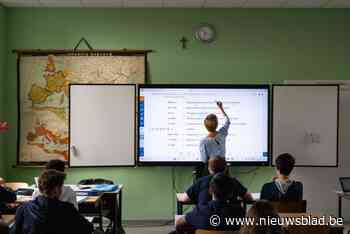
(215, 146)
(199, 217)
(199, 191)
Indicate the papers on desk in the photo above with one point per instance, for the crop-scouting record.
(81, 199)
(256, 196)
(23, 199)
(89, 218)
(96, 189)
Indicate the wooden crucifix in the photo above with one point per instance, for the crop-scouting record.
(184, 41)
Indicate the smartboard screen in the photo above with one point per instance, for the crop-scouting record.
(171, 122)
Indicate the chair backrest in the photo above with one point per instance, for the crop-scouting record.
(108, 204)
(290, 206)
(16, 185)
(202, 231)
(309, 229)
(94, 181)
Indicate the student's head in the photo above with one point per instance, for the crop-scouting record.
(285, 164)
(261, 210)
(211, 122)
(51, 182)
(56, 164)
(216, 164)
(221, 187)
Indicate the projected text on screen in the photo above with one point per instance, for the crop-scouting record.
(171, 123)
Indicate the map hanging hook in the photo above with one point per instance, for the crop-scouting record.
(84, 41)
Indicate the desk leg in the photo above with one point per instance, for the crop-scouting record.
(245, 207)
(340, 206)
(100, 214)
(118, 227)
(120, 209)
(179, 208)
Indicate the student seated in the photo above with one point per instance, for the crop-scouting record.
(222, 188)
(282, 188)
(68, 195)
(6, 196)
(261, 210)
(47, 214)
(199, 192)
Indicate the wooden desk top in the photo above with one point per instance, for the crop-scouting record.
(24, 199)
(297, 215)
(91, 199)
(8, 219)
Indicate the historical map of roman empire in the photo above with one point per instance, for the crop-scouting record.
(44, 97)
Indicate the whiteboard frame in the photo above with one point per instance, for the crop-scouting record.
(135, 126)
(272, 122)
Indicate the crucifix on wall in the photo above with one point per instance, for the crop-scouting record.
(184, 41)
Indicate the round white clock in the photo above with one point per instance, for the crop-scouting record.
(205, 33)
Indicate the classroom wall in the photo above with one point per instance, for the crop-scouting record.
(2, 84)
(320, 184)
(253, 46)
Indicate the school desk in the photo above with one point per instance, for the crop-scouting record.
(110, 202)
(179, 204)
(7, 219)
(341, 195)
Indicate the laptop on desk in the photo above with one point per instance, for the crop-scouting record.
(345, 184)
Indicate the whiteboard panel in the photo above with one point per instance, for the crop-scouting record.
(305, 123)
(102, 125)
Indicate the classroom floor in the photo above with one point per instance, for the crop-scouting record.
(165, 229)
(149, 230)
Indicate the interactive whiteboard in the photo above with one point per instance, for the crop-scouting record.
(171, 122)
(102, 125)
(305, 123)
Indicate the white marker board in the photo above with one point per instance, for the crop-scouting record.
(305, 123)
(102, 125)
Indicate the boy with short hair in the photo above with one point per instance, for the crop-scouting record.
(198, 193)
(201, 217)
(68, 195)
(47, 214)
(283, 188)
(215, 142)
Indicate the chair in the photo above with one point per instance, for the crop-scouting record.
(4, 229)
(290, 206)
(202, 231)
(14, 186)
(94, 181)
(309, 229)
(106, 207)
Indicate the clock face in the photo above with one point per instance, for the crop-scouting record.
(205, 33)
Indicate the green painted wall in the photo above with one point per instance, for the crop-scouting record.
(253, 46)
(2, 85)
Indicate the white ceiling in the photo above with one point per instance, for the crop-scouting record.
(180, 3)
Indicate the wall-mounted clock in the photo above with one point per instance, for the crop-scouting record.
(205, 33)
